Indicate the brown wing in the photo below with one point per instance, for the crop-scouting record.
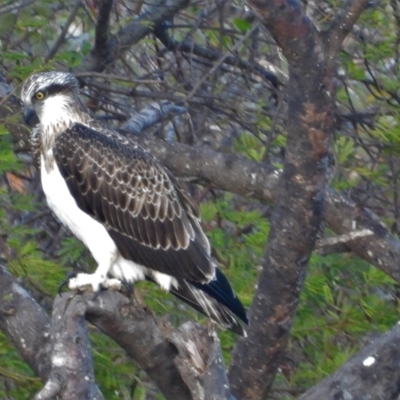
(151, 219)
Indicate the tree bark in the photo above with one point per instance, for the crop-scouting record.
(297, 215)
(372, 374)
(72, 375)
(25, 324)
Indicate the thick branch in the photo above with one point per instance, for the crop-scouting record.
(257, 180)
(25, 324)
(156, 348)
(101, 44)
(71, 376)
(200, 362)
(373, 373)
(137, 332)
(291, 29)
(297, 215)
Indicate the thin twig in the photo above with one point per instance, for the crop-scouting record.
(60, 40)
(218, 64)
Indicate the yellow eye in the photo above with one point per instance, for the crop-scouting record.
(39, 95)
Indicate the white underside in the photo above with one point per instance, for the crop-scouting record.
(95, 237)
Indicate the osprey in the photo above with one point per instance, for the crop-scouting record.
(122, 204)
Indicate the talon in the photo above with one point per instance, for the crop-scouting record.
(127, 288)
(65, 282)
(100, 289)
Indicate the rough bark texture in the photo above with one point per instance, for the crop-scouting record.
(137, 332)
(185, 363)
(372, 374)
(298, 213)
(71, 376)
(200, 362)
(25, 323)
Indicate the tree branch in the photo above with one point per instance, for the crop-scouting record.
(373, 373)
(101, 44)
(343, 23)
(150, 116)
(12, 5)
(291, 29)
(25, 324)
(200, 362)
(60, 40)
(132, 33)
(297, 215)
(258, 180)
(71, 376)
(136, 331)
(188, 46)
(155, 346)
(165, 354)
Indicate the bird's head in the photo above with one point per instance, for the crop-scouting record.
(53, 98)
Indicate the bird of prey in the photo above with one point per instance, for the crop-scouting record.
(127, 208)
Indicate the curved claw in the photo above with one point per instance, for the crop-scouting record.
(100, 289)
(127, 288)
(65, 282)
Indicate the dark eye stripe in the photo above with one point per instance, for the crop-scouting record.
(55, 88)
(52, 89)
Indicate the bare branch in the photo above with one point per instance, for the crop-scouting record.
(60, 40)
(71, 376)
(101, 44)
(14, 5)
(219, 62)
(373, 373)
(151, 115)
(347, 237)
(343, 23)
(188, 46)
(127, 36)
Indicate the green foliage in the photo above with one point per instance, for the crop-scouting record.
(249, 146)
(9, 161)
(343, 301)
(15, 375)
(242, 24)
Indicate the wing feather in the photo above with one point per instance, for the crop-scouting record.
(151, 219)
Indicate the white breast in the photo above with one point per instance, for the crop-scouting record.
(83, 226)
(92, 233)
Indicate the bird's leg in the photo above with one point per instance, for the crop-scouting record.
(98, 280)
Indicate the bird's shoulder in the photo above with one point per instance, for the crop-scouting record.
(121, 159)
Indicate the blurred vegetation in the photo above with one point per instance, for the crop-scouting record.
(345, 301)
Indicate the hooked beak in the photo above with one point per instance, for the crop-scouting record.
(30, 116)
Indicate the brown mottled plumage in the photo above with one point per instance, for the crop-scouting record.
(123, 204)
